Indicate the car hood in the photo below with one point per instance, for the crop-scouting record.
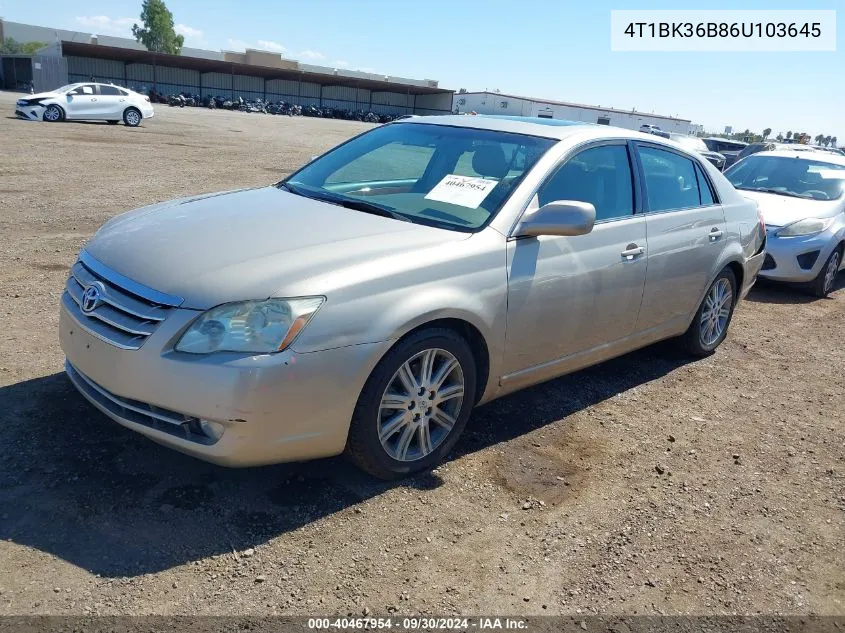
(252, 244)
(782, 210)
(41, 95)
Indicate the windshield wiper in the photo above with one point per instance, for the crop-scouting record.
(778, 192)
(349, 203)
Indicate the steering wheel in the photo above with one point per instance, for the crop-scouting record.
(817, 194)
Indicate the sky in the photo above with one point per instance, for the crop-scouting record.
(556, 49)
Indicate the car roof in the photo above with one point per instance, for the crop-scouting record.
(814, 155)
(557, 129)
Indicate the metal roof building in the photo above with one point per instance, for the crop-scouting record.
(487, 102)
(73, 56)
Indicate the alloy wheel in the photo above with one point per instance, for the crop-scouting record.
(421, 405)
(716, 312)
(133, 118)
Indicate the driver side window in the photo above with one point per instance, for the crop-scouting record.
(599, 175)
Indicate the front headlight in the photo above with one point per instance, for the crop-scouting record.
(807, 226)
(258, 327)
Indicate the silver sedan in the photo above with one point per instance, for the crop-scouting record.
(802, 198)
(369, 301)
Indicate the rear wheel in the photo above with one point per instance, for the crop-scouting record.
(414, 405)
(53, 114)
(132, 117)
(822, 285)
(710, 325)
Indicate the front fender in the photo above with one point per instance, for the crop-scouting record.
(470, 286)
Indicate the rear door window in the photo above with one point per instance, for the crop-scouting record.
(670, 179)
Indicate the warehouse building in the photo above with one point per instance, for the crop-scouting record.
(514, 105)
(72, 56)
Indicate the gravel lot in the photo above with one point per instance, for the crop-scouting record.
(645, 485)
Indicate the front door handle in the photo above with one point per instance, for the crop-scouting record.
(632, 251)
(93, 99)
(715, 234)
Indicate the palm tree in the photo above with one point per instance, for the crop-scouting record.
(833, 141)
(788, 135)
(779, 137)
(827, 140)
(819, 139)
(766, 132)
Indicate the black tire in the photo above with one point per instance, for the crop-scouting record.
(53, 114)
(823, 285)
(693, 340)
(110, 122)
(363, 446)
(132, 117)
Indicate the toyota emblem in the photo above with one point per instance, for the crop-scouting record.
(91, 298)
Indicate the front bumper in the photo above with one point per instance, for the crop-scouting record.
(796, 259)
(29, 112)
(271, 408)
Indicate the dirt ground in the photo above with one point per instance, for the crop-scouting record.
(646, 485)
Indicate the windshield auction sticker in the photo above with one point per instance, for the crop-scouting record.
(464, 191)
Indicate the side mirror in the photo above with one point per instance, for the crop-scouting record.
(561, 217)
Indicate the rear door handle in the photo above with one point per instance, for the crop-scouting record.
(93, 99)
(715, 234)
(633, 251)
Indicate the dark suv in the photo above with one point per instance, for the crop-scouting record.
(695, 144)
(726, 147)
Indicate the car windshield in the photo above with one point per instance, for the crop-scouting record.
(450, 177)
(66, 88)
(787, 176)
(690, 142)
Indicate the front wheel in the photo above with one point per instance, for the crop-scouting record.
(710, 325)
(414, 405)
(53, 114)
(132, 117)
(822, 285)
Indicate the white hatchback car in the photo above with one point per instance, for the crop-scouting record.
(801, 195)
(86, 102)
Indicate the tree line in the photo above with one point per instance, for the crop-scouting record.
(825, 140)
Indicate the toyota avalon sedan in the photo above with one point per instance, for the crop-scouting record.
(366, 303)
(802, 198)
(86, 102)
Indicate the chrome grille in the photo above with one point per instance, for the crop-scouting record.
(125, 313)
